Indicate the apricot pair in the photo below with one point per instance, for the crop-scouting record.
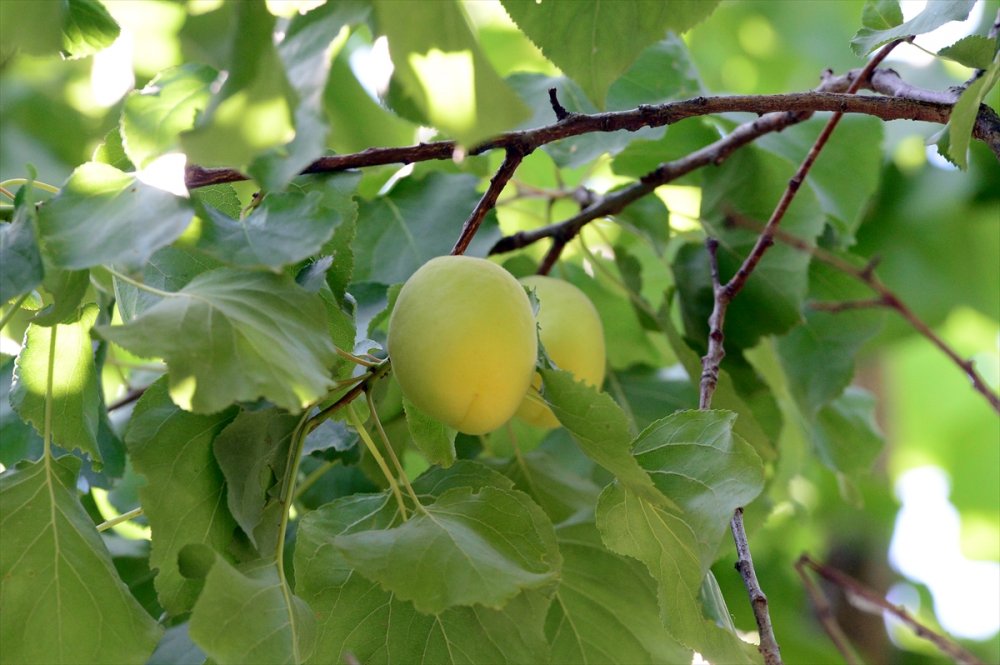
(463, 343)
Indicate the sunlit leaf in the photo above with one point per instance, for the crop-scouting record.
(973, 51)
(87, 28)
(61, 600)
(72, 407)
(232, 335)
(934, 15)
(963, 116)
(104, 216)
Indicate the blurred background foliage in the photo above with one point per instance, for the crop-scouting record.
(935, 229)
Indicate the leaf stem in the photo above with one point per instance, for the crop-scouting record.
(139, 285)
(49, 380)
(356, 423)
(18, 182)
(124, 517)
(14, 308)
(313, 476)
(357, 360)
(392, 454)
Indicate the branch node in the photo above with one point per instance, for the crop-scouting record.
(557, 108)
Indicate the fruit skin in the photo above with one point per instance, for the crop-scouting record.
(573, 337)
(462, 342)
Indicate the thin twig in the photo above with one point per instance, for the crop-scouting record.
(986, 128)
(886, 298)
(127, 398)
(826, 617)
(511, 161)
(124, 517)
(866, 600)
(758, 601)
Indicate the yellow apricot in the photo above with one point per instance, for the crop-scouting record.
(463, 343)
(571, 332)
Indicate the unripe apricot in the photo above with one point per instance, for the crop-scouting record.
(463, 343)
(571, 332)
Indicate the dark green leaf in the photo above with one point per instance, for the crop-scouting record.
(65, 289)
(280, 628)
(104, 216)
(444, 73)
(468, 474)
(601, 429)
(881, 22)
(606, 609)
(87, 28)
(221, 197)
(845, 434)
(562, 493)
(184, 497)
(233, 335)
(646, 394)
(466, 548)
(20, 261)
(413, 223)
(584, 39)
(66, 350)
(355, 616)
(62, 600)
(252, 452)
(19, 439)
(154, 117)
(284, 229)
(339, 247)
(974, 51)
(435, 440)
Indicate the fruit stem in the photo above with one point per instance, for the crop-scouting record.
(419, 507)
(356, 423)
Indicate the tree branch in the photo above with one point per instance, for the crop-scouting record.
(826, 617)
(867, 600)
(489, 199)
(987, 127)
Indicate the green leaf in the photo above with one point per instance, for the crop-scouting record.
(169, 269)
(845, 434)
(252, 111)
(881, 14)
(467, 548)
(562, 493)
(973, 51)
(112, 151)
(605, 609)
(662, 540)
(435, 440)
(62, 601)
(65, 289)
(413, 223)
(20, 261)
(87, 28)
(232, 335)
(221, 197)
(443, 71)
(963, 115)
(75, 398)
(250, 616)
(601, 429)
(695, 458)
(184, 497)
(154, 117)
(467, 474)
(818, 355)
(252, 452)
(32, 27)
(20, 440)
(340, 248)
(310, 41)
(647, 393)
(104, 216)
(284, 229)
(584, 38)
(355, 616)
(881, 22)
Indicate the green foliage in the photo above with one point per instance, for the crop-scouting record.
(209, 358)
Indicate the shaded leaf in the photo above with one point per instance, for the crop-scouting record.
(20, 440)
(584, 39)
(845, 434)
(468, 474)
(104, 216)
(434, 439)
(881, 26)
(67, 351)
(467, 548)
(605, 609)
(62, 600)
(169, 269)
(232, 335)
(184, 497)
(562, 493)
(65, 289)
(250, 616)
(20, 261)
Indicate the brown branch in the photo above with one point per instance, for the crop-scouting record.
(744, 564)
(826, 617)
(557, 108)
(886, 298)
(489, 199)
(987, 128)
(126, 399)
(867, 600)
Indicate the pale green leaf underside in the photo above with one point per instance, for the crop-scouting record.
(233, 335)
(61, 600)
(933, 16)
